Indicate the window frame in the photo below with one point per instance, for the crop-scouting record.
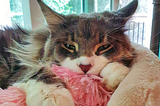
(29, 14)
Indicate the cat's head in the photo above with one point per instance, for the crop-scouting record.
(86, 43)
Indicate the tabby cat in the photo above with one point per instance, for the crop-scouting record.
(89, 44)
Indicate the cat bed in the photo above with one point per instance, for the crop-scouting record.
(141, 87)
(86, 91)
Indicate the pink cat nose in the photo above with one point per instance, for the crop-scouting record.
(85, 68)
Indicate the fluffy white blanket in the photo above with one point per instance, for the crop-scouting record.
(141, 87)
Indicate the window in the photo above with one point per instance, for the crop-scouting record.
(140, 25)
(78, 6)
(11, 10)
(5, 13)
(14, 9)
(65, 6)
(101, 5)
(16, 12)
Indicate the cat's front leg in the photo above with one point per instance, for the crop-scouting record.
(112, 74)
(46, 93)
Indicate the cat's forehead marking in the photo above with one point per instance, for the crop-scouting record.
(97, 35)
(70, 40)
(90, 29)
(75, 35)
(84, 28)
(69, 37)
(105, 38)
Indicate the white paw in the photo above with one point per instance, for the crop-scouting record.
(41, 94)
(113, 74)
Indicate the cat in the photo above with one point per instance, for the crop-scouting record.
(8, 64)
(88, 44)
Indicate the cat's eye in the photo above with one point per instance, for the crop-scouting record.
(68, 46)
(104, 48)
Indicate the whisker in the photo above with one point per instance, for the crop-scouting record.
(107, 32)
(115, 30)
(5, 63)
(113, 47)
(157, 11)
(68, 27)
(116, 39)
(155, 44)
(111, 32)
(155, 50)
(155, 35)
(134, 55)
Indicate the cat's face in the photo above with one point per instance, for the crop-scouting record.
(86, 43)
(86, 46)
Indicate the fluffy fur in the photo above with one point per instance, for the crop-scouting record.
(8, 64)
(95, 44)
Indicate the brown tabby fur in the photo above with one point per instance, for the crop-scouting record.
(89, 31)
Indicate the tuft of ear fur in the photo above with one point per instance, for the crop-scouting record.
(120, 17)
(128, 10)
(52, 17)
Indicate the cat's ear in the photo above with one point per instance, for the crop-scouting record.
(129, 10)
(52, 17)
(120, 17)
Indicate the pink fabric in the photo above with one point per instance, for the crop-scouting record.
(12, 97)
(86, 91)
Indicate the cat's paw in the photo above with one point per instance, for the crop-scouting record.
(41, 94)
(113, 74)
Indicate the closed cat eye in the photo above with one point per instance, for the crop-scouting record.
(68, 46)
(103, 49)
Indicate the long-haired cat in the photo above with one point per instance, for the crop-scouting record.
(89, 44)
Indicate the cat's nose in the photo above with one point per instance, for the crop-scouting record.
(85, 68)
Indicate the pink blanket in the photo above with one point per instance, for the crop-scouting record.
(86, 91)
